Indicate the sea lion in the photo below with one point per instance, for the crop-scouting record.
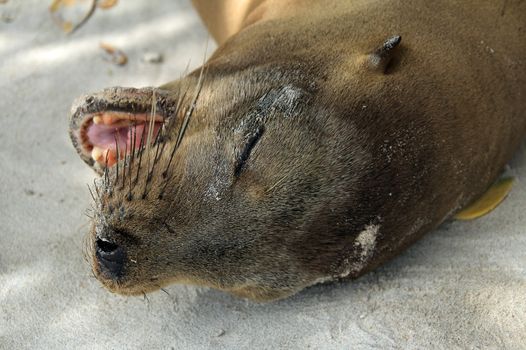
(315, 143)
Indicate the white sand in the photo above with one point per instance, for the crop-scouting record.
(463, 286)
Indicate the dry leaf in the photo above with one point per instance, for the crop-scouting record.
(106, 4)
(116, 56)
(71, 14)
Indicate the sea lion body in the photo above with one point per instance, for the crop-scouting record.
(308, 154)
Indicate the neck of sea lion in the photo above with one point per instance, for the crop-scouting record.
(224, 18)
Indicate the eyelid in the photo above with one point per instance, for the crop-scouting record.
(251, 142)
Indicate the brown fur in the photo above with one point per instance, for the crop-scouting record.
(353, 164)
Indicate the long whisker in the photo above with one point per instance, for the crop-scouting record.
(145, 298)
(179, 102)
(157, 142)
(91, 193)
(151, 124)
(118, 157)
(192, 105)
(163, 133)
(106, 178)
(186, 120)
(96, 189)
(125, 163)
(141, 145)
(133, 139)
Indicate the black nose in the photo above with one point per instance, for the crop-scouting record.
(111, 258)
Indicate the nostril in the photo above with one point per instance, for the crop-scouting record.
(110, 257)
(106, 247)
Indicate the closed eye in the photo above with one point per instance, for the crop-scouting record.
(247, 150)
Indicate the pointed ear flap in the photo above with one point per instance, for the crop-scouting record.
(381, 57)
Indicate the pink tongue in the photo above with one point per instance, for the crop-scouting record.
(104, 136)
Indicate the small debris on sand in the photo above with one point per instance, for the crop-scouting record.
(114, 55)
(6, 18)
(152, 57)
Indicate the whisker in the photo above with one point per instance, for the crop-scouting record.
(106, 177)
(145, 297)
(91, 193)
(129, 197)
(96, 190)
(133, 138)
(187, 68)
(157, 143)
(182, 130)
(118, 157)
(125, 161)
(179, 102)
(140, 150)
(150, 129)
(194, 101)
(162, 140)
(186, 120)
(86, 251)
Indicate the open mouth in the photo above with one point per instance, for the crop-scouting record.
(110, 124)
(110, 136)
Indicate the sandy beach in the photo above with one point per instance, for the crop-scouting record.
(461, 287)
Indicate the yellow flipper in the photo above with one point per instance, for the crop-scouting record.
(489, 200)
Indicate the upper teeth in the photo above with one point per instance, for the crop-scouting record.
(108, 119)
(115, 117)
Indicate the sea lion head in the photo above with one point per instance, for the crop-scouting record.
(245, 181)
(210, 182)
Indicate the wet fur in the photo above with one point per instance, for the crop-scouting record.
(341, 148)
